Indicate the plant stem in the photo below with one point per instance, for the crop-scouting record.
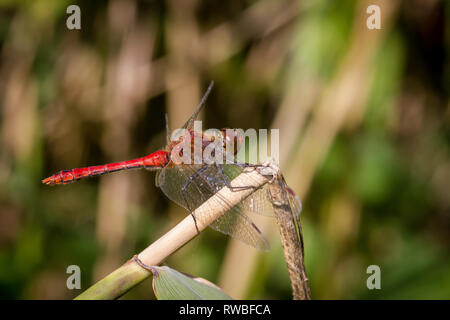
(130, 274)
(291, 239)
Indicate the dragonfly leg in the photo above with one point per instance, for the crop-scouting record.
(247, 165)
(227, 181)
(256, 166)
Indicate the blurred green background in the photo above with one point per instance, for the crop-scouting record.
(364, 138)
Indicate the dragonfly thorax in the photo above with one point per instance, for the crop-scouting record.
(206, 147)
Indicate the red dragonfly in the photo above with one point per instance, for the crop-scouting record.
(190, 185)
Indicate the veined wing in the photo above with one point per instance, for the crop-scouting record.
(189, 124)
(259, 201)
(293, 198)
(192, 185)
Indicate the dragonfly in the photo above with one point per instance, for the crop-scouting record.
(190, 185)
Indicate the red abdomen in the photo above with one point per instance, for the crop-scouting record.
(155, 160)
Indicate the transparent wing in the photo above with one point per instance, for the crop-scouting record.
(192, 185)
(293, 198)
(189, 124)
(239, 226)
(295, 203)
(259, 201)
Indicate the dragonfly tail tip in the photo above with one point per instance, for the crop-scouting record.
(48, 181)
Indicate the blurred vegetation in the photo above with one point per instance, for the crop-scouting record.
(364, 138)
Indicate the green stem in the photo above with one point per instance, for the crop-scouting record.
(116, 283)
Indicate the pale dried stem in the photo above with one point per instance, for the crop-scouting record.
(292, 241)
(130, 274)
